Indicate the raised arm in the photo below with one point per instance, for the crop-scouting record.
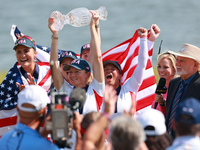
(95, 131)
(137, 77)
(95, 47)
(154, 33)
(90, 56)
(58, 78)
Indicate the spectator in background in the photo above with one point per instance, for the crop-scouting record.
(64, 59)
(25, 72)
(126, 133)
(32, 109)
(87, 55)
(185, 86)
(81, 124)
(85, 50)
(166, 67)
(187, 125)
(153, 123)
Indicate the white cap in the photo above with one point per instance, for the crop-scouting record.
(188, 51)
(34, 95)
(152, 117)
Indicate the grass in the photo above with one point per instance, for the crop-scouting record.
(2, 75)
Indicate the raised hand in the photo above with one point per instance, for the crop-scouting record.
(51, 27)
(110, 98)
(95, 17)
(142, 32)
(30, 80)
(154, 32)
(77, 122)
(132, 110)
(21, 87)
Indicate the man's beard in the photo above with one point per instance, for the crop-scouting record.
(182, 72)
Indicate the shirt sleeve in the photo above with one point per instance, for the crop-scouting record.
(136, 79)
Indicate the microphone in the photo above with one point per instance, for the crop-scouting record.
(77, 98)
(161, 89)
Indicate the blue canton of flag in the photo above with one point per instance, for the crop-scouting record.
(48, 49)
(9, 89)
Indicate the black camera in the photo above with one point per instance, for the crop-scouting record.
(62, 109)
(161, 88)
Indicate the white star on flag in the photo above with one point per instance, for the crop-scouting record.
(44, 48)
(1, 93)
(2, 85)
(11, 81)
(14, 74)
(9, 88)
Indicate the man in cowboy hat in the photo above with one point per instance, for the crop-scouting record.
(185, 86)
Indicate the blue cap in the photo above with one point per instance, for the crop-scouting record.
(80, 64)
(84, 47)
(26, 41)
(190, 107)
(69, 54)
(115, 63)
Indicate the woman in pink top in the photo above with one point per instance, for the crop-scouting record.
(166, 68)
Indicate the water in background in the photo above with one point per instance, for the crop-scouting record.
(178, 21)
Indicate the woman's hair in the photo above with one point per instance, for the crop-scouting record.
(90, 78)
(169, 56)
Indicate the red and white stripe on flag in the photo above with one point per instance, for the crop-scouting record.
(126, 53)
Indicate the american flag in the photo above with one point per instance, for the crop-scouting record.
(9, 91)
(126, 53)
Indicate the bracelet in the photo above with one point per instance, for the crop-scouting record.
(164, 103)
(54, 37)
(96, 25)
(106, 115)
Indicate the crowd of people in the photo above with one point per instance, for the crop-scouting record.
(107, 119)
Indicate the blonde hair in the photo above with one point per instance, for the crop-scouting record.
(169, 56)
(90, 78)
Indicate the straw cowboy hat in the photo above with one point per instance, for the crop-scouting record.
(188, 51)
